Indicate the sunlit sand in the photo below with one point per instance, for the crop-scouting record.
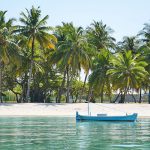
(38, 109)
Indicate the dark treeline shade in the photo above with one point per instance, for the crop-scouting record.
(39, 63)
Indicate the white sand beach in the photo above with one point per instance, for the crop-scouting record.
(52, 109)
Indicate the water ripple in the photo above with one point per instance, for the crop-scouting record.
(60, 133)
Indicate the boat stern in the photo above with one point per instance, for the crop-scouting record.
(77, 116)
(135, 116)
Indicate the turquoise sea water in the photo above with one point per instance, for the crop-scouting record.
(63, 133)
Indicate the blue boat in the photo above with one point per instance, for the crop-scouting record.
(104, 117)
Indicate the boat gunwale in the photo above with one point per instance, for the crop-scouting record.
(127, 118)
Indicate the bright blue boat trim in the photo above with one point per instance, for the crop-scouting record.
(131, 118)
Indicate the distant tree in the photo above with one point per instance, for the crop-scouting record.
(129, 44)
(98, 34)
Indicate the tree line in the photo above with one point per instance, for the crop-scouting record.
(39, 62)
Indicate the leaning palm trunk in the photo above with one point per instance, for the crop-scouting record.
(89, 94)
(1, 81)
(116, 98)
(83, 86)
(68, 86)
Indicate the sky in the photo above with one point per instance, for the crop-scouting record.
(125, 17)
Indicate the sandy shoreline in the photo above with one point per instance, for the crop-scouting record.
(49, 109)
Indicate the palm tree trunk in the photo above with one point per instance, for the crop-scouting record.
(29, 81)
(109, 92)
(102, 97)
(68, 85)
(140, 98)
(76, 98)
(83, 86)
(122, 97)
(1, 81)
(61, 88)
(102, 94)
(116, 98)
(110, 98)
(149, 96)
(34, 88)
(24, 88)
(30, 72)
(89, 94)
(134, 98)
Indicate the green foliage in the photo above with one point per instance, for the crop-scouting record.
(129, 43)
(99, 35)
(127, 71)
(45, 63)
(71, 49)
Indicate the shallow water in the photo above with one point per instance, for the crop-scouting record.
(63, 133)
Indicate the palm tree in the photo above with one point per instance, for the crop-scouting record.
(8, 49)
(98, 34)
(129, 43)
(3, 22)
(146, 33)
(147, 59)
(145, 51)
(34, 29)
(127, 72)
(99, 79)
(71, 53)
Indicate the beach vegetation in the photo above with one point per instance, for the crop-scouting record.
(70, 64)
